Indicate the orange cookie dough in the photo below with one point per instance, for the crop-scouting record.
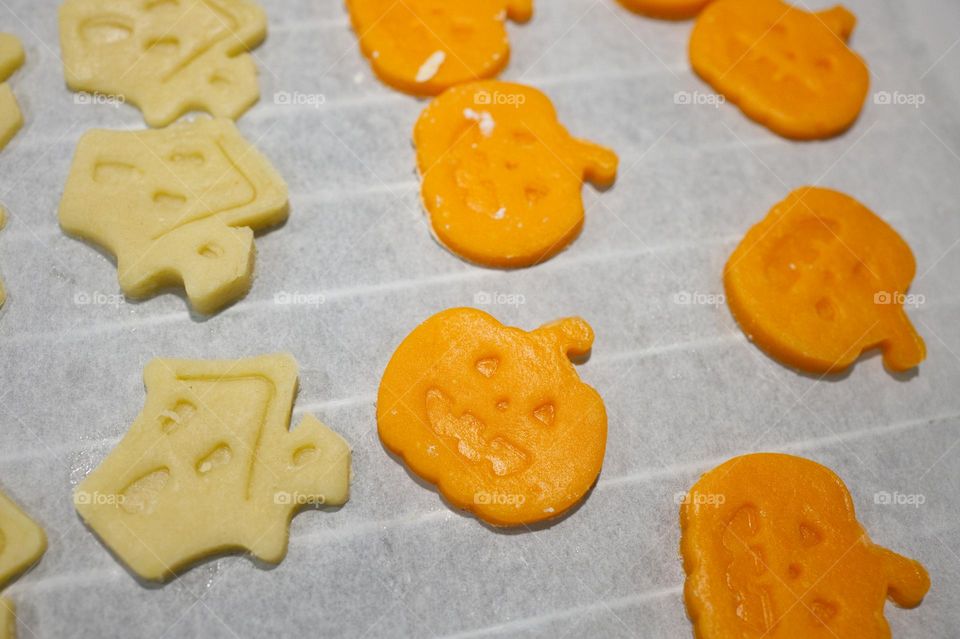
(822, 279)
(666, 9)
(772, 548)
(425, 46)
(788, 69)
(495, 416)
(501, 176)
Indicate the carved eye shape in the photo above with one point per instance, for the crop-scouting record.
(169, 200)
(106, 172)
(487, 366)
(810, 534)
(305, 454)
(106, 29)
(210, 251)
(823, 610)
(143, 495)
(177, 416)
(219, 456)
(545, 413)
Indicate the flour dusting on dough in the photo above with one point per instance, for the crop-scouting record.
(430, 66)
(484, 119)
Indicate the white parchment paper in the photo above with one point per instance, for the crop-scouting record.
(684, 390)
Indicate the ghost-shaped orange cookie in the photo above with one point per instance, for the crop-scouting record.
(772, 548)
(495, 416)
(786, 68)
(422, 47)
(501, 176)
(666, 9)
(822, 279)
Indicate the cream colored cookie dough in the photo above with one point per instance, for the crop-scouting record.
(210, 466)
(166, 57)
(22, 543)
(8, 619)
(11, 59)
(176, 205)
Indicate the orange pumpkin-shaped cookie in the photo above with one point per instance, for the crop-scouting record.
(495, 416)
(501, 176)
(666, 9)
(772, 549)
(424, 46)
(786, 68)
(822, 279)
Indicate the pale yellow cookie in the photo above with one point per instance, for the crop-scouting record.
(210, 466)
(8, 619)
(11, 59)
(22, 543)
(165, 56)
(175, 205)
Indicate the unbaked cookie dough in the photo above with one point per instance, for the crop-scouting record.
(786, 68)
(8, 619)
(501, 176)
(175, 205)
(821, 280)
(11, 59)
(167, 58)
(22, 543)
(425, 46)
(210, 467)
(496, 417)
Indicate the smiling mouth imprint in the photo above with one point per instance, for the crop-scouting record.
(505, 457)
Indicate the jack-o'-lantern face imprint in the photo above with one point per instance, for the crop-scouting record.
(425, 46)
(501, 176)
(666, 9)
(496, 417)
(778, 552)
(786, 68)
(167, 57)
(822, 279)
